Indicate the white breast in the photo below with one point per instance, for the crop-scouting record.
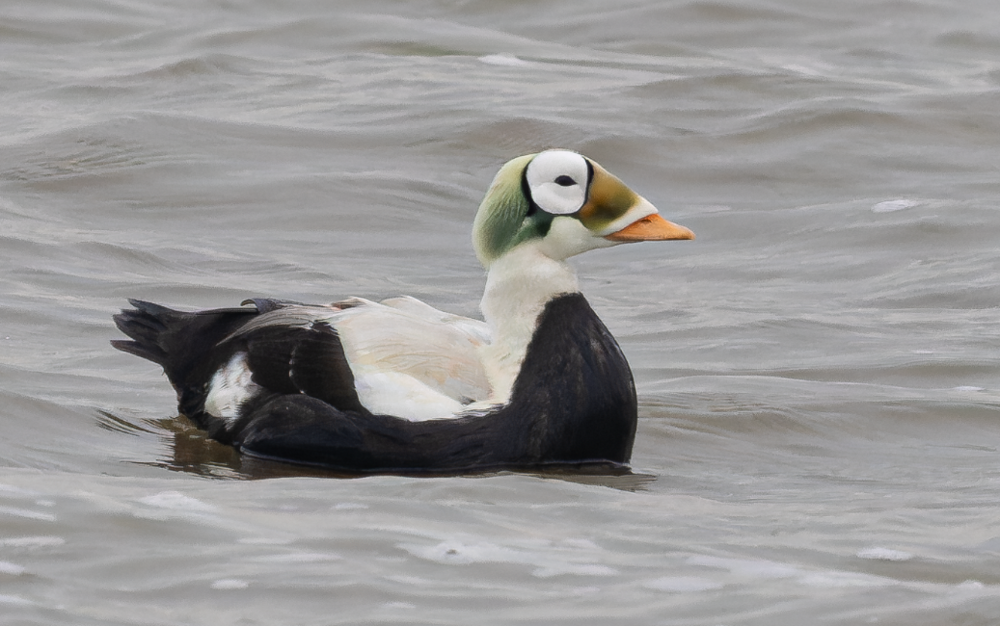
(519, 286)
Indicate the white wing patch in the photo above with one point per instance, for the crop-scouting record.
(411, 360)
(230, 387)
(393, 393)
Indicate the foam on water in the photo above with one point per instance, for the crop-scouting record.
(876, 553)
(27, 513)
(403, 606)
(891, 206)
(9, 600)
(266, 541)
(746, 567)
(176, 501)
(508, 60)
(547, 561)
(683, 584)
(31, 542)
(10, 569)
(228, 584)
(349, 506)
(765, 570)
(834, 579)
(299, 557)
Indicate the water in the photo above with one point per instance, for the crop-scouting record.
(817, 372)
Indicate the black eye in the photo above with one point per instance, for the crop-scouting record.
(564, 181)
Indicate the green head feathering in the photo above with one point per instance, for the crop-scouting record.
(503, 221)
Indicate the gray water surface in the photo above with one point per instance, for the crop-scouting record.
(817, 372)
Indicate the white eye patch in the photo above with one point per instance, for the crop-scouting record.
(558, 181)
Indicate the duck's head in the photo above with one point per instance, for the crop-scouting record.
(566, 204)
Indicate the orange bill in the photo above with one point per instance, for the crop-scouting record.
(651, 228)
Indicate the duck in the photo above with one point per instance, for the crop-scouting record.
(399, 386)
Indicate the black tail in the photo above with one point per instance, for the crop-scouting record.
(145, 324)
(179, 342)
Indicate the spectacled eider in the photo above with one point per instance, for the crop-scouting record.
(399, 386)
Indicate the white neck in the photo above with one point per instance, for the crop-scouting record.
(519, 285)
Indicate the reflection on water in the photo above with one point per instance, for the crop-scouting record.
(193, 452)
